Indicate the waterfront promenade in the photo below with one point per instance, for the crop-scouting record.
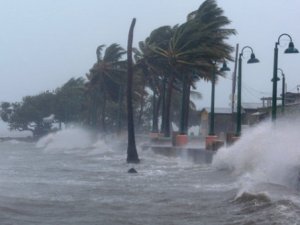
(194, 151)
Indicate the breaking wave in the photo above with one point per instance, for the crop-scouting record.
(268, 153)
(70, 138)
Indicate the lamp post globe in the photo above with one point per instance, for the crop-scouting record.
(290, 50)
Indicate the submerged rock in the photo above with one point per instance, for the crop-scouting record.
(132, 170)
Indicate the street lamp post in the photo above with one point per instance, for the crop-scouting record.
(210, 139)
(212, 105)
(239, 86)
(283, 91)
(289, 50)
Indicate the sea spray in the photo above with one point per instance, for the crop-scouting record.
(78, 139)
(66, 139)
(267, 153)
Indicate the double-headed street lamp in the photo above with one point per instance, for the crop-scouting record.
(283, 91)
(289, 50)
(212, 105)
(239, 94)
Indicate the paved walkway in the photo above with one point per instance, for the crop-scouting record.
(194, 151)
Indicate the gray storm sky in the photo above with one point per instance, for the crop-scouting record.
(43, 43)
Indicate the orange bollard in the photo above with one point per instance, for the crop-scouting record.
(209, 141)
(181, 140)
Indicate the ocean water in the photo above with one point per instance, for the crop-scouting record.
(73, 178)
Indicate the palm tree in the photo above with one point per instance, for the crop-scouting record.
(105, 78)
(151, 77)
(132, 156)
(160, 38)
(193, 47)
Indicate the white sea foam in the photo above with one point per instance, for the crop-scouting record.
(66, 139)
(268, 153)
(75, 139)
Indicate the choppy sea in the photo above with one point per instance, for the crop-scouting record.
(70, 178)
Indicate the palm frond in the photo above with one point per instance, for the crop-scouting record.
(196, 94)
(99, 52)
(113, 53)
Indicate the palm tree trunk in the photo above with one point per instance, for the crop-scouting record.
(103, 113)
(120, 103)
(155, 103)
(92, 112)
(184, 106)
(187, 101)
(163, 106)
(167, 126)
(132, 156)
(142, 104)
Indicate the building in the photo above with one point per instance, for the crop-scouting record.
(252, 113)
(225, 119)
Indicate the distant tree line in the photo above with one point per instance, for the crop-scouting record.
(40, 112)
(167, 65)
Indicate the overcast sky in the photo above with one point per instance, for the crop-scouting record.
(43, 43)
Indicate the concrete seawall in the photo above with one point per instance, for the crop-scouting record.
(196, 155)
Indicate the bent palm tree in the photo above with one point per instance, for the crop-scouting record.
(132, 156)
(194, 45)
(104, 79)
(160, 38)
(146, 66)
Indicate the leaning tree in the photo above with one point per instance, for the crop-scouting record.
(105, 77)
(132, 155)
(193, 49)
